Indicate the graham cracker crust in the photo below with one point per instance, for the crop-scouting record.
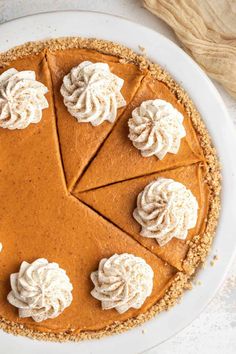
(199, 246)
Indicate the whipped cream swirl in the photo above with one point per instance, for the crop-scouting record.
(40, 290)
(122, 282)
(166, 209)
(156, 128)
(92, 93)
(21, 99)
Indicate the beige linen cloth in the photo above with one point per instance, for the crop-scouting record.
(207, 31)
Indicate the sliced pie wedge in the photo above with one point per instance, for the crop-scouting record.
(80, 141)
(117, 202)
(20, 148)
(119, 160)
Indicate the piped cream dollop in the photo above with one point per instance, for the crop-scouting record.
(122, 282)
(92, 93)
(156, 128)
(40, 290)
(21, 99)
(166, 209)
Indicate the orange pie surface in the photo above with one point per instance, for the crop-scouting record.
(68, 191)
(117, 201)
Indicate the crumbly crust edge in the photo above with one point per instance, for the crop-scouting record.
(199, 246)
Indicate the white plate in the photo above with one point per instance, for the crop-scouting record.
(213, 111)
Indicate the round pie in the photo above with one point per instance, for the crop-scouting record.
(69, 188)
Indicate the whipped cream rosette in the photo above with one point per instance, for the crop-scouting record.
(156, 128)
(122, 282)
(92, 94)
(40, 290)
(166, 209)
(22, 99)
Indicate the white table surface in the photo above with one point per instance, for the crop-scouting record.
(214, 331)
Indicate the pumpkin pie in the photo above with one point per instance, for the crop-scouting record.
(68, 190)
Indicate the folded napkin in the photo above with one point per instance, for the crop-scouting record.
(207, 31)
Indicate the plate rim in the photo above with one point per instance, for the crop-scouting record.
(212, 89)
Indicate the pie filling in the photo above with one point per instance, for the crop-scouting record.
(104, 187)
